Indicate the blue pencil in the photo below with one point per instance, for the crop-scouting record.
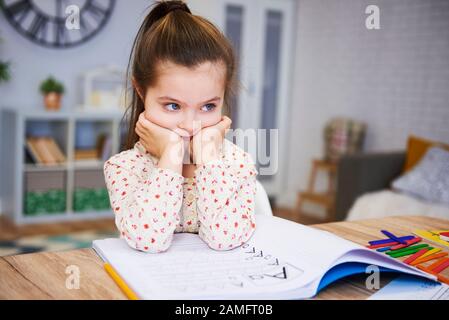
(393, 237)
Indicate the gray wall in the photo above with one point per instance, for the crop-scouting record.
(32, 63)
(396, 78)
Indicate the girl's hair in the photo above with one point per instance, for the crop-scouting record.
(170, 32)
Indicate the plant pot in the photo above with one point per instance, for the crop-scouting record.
(52, 101)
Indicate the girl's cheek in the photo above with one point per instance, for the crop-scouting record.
(210, 120)
(161, 118)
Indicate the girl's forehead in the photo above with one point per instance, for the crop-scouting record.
(210, 72)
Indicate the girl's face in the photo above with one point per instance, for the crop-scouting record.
(186, 100)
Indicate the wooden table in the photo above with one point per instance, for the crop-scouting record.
(42, 275)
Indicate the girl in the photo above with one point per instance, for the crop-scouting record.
(183, 73)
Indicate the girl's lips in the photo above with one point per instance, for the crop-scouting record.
(184, 133)
(181, 132)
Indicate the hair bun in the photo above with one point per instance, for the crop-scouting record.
(165, 7)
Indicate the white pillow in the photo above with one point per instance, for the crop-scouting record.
(429, 179)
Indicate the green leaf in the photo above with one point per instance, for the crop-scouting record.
(51, 85)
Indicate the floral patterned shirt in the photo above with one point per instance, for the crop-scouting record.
(152, 203)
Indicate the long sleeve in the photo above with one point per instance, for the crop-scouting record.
(225, 202)
(146, 202)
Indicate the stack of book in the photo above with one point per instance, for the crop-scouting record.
(86, 154)
(101, 151)
(44, 150)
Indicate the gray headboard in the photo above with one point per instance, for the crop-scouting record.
(365, 172)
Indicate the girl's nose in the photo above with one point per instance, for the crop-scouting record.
(190, 125)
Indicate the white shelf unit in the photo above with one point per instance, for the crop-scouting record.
(63, 125)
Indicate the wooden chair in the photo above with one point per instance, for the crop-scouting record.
(325, 199)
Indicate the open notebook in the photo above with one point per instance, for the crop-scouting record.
(282, 260)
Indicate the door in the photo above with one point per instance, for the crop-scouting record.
(262, 32)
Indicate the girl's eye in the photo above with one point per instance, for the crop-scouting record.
(172, 107)
(208, 107)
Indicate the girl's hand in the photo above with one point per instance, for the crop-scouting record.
(162, 143)
(208, 142)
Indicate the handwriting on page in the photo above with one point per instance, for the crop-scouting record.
(197, 270)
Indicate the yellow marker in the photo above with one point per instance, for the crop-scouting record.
(428, 253)
(122, 285)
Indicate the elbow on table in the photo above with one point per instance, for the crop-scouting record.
(149, 244)
(227, 243)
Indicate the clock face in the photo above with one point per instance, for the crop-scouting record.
(58, 23)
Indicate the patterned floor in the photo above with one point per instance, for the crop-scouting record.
(53, 243)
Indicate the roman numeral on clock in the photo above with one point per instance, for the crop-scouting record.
(46, 24)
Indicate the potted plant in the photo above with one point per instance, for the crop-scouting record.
(4, 69)
(52, 91)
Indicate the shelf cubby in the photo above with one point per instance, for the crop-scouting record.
(72, 190)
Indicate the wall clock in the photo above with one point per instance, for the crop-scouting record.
(58, 23)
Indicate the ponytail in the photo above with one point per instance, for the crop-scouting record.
(170, 32)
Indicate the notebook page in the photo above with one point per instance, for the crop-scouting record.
(280, 256)
(189, 270)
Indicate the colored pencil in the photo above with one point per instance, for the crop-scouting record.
(120, 283)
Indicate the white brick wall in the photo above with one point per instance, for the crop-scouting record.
(396, 78)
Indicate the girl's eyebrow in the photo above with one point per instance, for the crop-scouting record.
(173, 99)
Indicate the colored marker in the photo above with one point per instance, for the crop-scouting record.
(415, 256)
(393, 237)
(381, 241)
(409, 242)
